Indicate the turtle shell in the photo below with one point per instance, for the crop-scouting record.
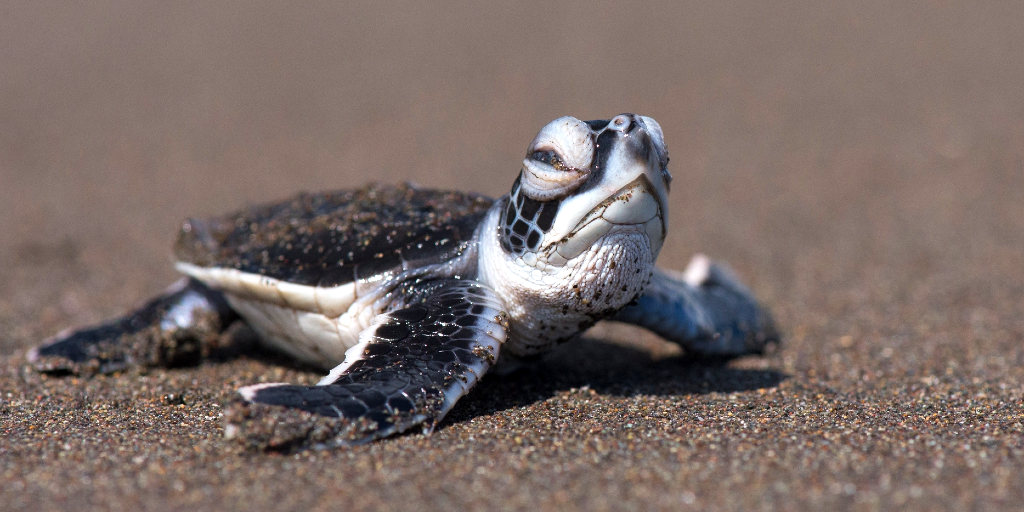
(335, 238)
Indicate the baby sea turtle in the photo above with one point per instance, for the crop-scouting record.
(409, 295)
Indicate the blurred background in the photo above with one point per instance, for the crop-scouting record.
(843, 138)
(860, 163)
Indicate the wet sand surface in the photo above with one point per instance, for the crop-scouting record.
(860, 164)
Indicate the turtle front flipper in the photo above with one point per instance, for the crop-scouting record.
(178, 327)
(408, 369)
(705, 309)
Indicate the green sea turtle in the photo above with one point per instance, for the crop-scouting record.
(408, 296)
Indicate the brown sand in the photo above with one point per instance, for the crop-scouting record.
(860, 164)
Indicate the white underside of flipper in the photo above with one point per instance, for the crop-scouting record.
(696, 272)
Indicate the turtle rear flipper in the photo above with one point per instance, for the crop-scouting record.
(408, 370)
(178, 327)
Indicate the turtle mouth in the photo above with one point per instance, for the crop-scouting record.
(635, 206)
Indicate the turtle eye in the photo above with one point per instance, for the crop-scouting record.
(550, 158)
(558, 160)
(546, 177)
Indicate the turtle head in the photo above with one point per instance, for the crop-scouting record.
(583, 181)
(576, 238)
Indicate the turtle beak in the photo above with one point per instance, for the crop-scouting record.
(629, 147)
(658, 145)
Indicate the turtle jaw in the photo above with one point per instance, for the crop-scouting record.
(635, 208)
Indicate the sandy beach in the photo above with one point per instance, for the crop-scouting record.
(859, 164)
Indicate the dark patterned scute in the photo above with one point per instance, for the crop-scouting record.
(334, 238)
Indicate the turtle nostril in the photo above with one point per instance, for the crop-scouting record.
(621, 123)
